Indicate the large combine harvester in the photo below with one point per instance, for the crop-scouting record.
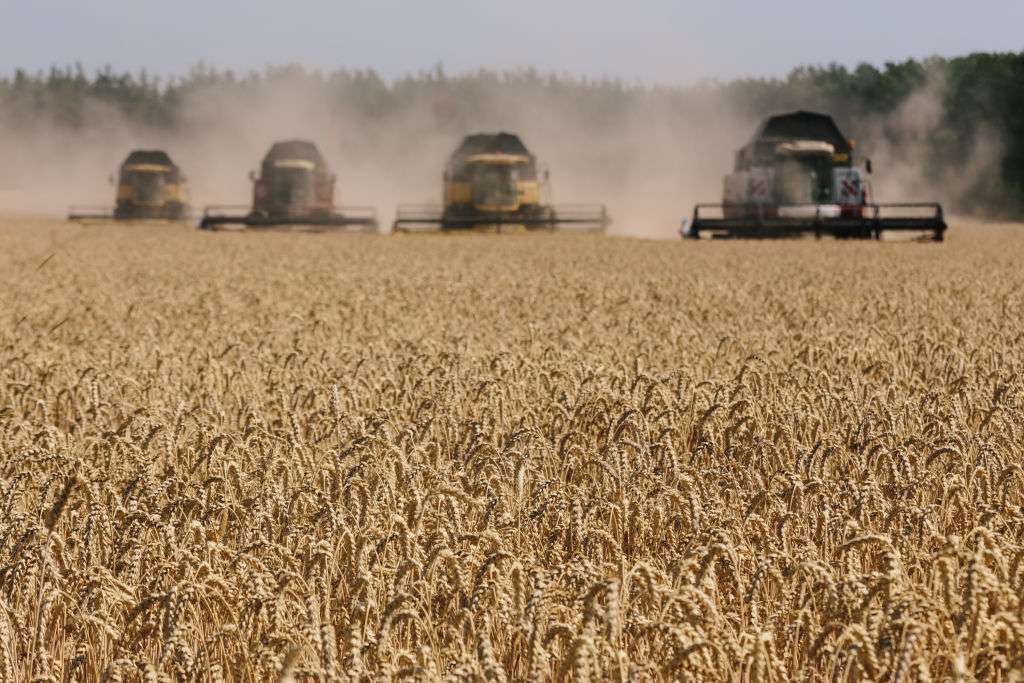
(149, 187)
(492, 181)
(799, 176)
(295, 189)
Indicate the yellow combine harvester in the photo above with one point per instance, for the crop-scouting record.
(492, 181)
(149, 186)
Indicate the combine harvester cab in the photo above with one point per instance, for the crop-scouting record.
(149, 187)
(295, 189)
(492, 181)
(797, 177)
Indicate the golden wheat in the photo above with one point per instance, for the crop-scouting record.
(282, 457)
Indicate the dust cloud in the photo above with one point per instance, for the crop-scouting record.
(649, 155)
(901, 146)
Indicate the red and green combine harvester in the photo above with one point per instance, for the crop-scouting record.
(294, 190)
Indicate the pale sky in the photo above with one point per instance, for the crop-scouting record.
(649, 41)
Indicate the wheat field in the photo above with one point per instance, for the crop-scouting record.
(523, 457)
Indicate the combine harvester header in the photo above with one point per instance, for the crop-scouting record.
(295, 188)
(493, 181)
(797, 176)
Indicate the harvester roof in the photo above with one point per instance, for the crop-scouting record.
(497, 159)
(495, 148)
(803, 125)
(491, 143)
(294, 150)
(148, 157)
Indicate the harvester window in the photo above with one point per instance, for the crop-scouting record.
(806, 180)
(289, 186)
(495, 183)
(148, 185)
(495, 175)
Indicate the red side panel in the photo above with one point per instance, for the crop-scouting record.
(324, 190)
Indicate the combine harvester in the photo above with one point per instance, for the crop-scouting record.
(295, 189)
(798, 176)
(149, 187)
(492, 182)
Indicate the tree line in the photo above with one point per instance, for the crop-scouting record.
(940, 110)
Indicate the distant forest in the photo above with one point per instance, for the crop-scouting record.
(975, 99)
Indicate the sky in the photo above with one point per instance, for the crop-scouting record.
(643, 41)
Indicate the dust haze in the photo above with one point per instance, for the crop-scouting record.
(648, 156)
(900, 145)
(649, 161)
